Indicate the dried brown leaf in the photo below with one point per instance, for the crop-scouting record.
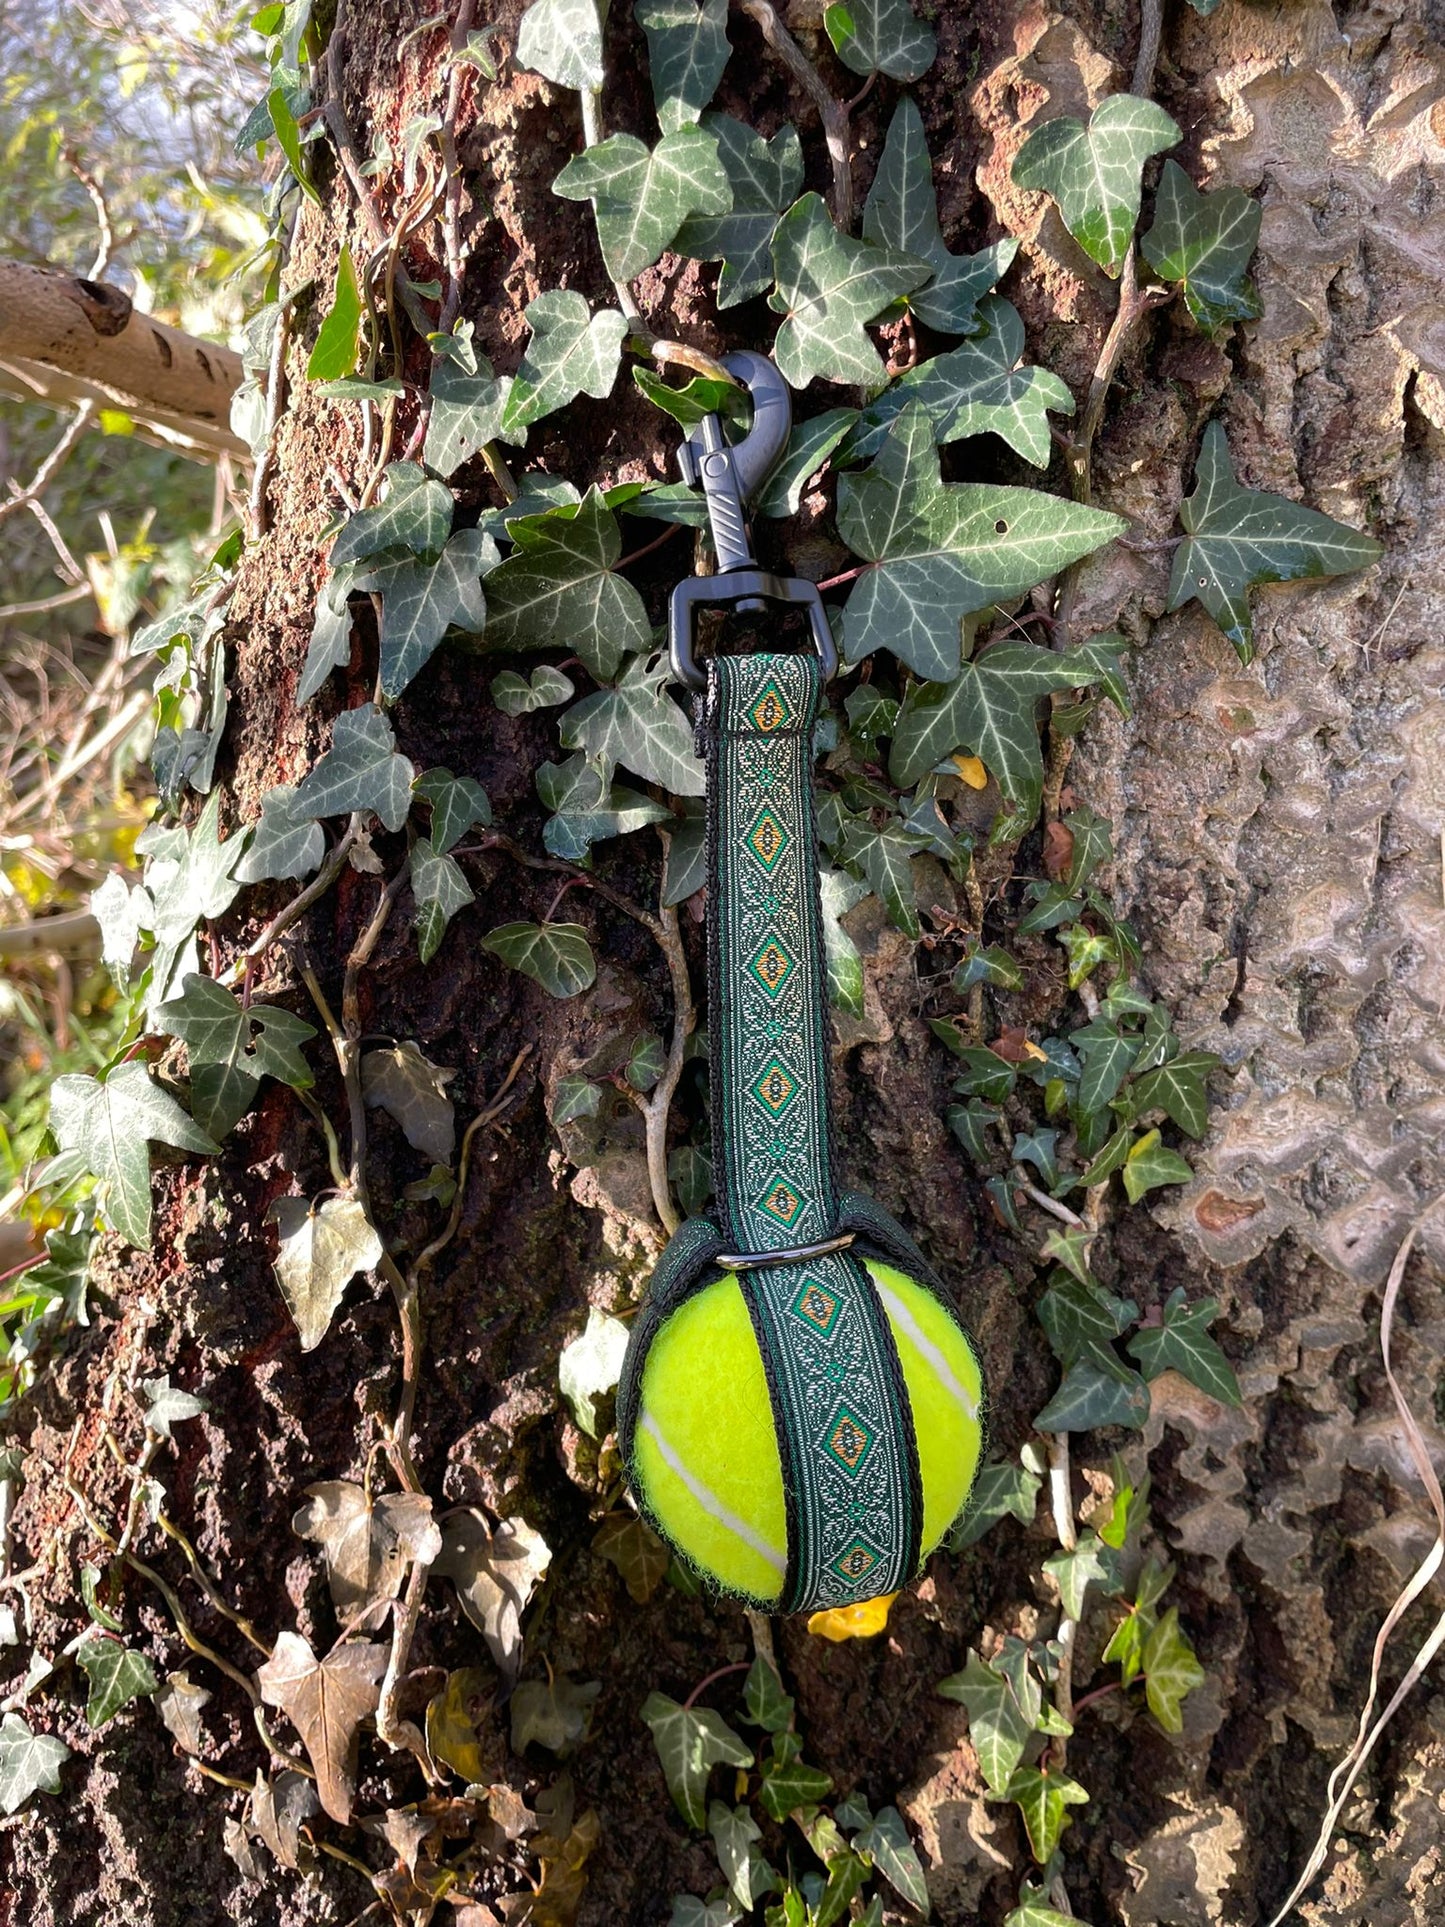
(367, 1543)
(451, 1732)
(276, 1811)
(495, 1574)
(179, 1703)
(326, 1701)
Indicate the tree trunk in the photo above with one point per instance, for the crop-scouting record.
(1278, 847)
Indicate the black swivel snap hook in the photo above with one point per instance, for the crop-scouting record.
(731, 475)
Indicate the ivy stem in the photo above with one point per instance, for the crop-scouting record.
(738, 1666)
(299, 904)
(848, 575)
(1151, 28)
(398, 1733)
(1099, 1693)
(1061, 1500)
(649, 548)
(592, 136)
(833, 113)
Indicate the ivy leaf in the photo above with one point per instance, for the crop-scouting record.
(514, 695)
(330, 644)
(637, 724)
(287, 842)
(764, 176)
(1097, 1390)
(439, 890)
(1036, 1912)
(809, 446)
(588, 809)
(495, 1574)
(366, 1541)
(885, 1841)
(735, 1834)
(989, 710)
(839, 894)
(590, 1366)
(29, 1763)
(1092, 846)
(1177, 1088)
(1095, 172)
(191, 877)
(168, 1405)
(691, 1740)
(1081, 1320)
(400, 1080)
(180, 1703)
(695, 400)
(232, 1049)
(828, 287)
(689, 1911)
(685, 871)
(765, 1704)
(288, 139)
(1044, 1799)
(458, 804)
(941, 551)
(467, 412)
(981, 387)
(1205, 242)
(885, 857)
(362, 770)
(902, 213)
(320, 1251)
(555, 1713)
(416, 515)
(1238, 537)
(881, 36)
(572, 352)
(687, 47)
(558, 588)
(642, 199)
(1089, 1563)
(339, 337)
(116, 1675)
(122, 910)
(555, 955)
(562, 40)
(1149, 1164)
(788, 1784)
(1171, 1671)
(639, 1555)
(1107, 1056)
(998, 1726)
(1182, 1344)
(1002, 1490)
(326, 1701)
(422, 599)
(109, 1125)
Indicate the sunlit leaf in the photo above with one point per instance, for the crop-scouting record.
(29, 1762)
(639, 725)
(458, 804)
(467, 411)
(687, 46)
(109, 1124)
(180, 1703)
(886, 1842)
(1043, 1798)
(881, 36)
(362, 770)
(642, 198)
(558, 589)
(287, 842)
(1171, 1671)
(562, 39)
(828, 287)
(422, 598)
(415, 514)
(326, 1701)
(367, 1540)
(998, 1725)
(1205, 242)
(572, 352)
(320, 1251)
(1095, 172)
(339, 337)
(765, 176)
(438, 890)
(735, 1834)
(495, 1571)
(591, 1365)
(116, 1675)
(515, 695)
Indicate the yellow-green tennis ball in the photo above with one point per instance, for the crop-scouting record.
(704, 1458)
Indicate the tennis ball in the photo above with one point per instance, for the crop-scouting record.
(702, 1450)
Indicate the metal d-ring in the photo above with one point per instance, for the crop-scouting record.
(790, 1255)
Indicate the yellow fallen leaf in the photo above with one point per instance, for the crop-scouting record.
(971, 771)
(1031, 1049)
(862, 1621)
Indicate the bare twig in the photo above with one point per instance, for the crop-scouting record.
(833, 113)
(105, 234)
(14, 611)
(275, 385)
(22, 498)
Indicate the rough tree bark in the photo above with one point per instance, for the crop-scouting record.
(1278, 833)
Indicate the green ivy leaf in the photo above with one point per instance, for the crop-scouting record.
(809, 447)
(1002, 1490)
(555, 955)
(839, 894)
(1171, 1671)
(288, 139)
(881, 36)
(765, 1703)
(1239, 537)
(970, 1124)
(572, 352)
(1177, 1089)
(1097, 1390)
(691, 1740)
(902, 213)
(339, 337)
(765, 176)
(788, 1784)
(116, 1675)
(638, 725)
(989, 710)
(514, 695)
(885, 1841)
(232, 1049)
(1034, 1911)
(1107, 1056)
(1149, 1164)
(998, 1726)
(562, 40)
(109, 1125)
(1205, 242)
(1044, 1799)
(1089, 1563)
(559, 589)
(885, 860)
(981, 387)
(588, 810)
(1095, 172)
(287, 842)
(685, 871)
(468, 410)
(1071, 1248)
(1182, 1344)
(983, 1073)
(1093, 846)
(988, 964)
(458, 804)
(416, 515)
(191, 877)
(422, 599)
(642, 198)
(828, 287)
(439, 890)
(575, 1097)
(687, 47)
(646, 1061)
(29, 1763)
(1082, 1320)
(168, 1405)
(941, 551)
(362, 770)
(735, 1834)
(696, 399)
(330, 645)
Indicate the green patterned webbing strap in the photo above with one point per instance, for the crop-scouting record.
(845, 1430)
